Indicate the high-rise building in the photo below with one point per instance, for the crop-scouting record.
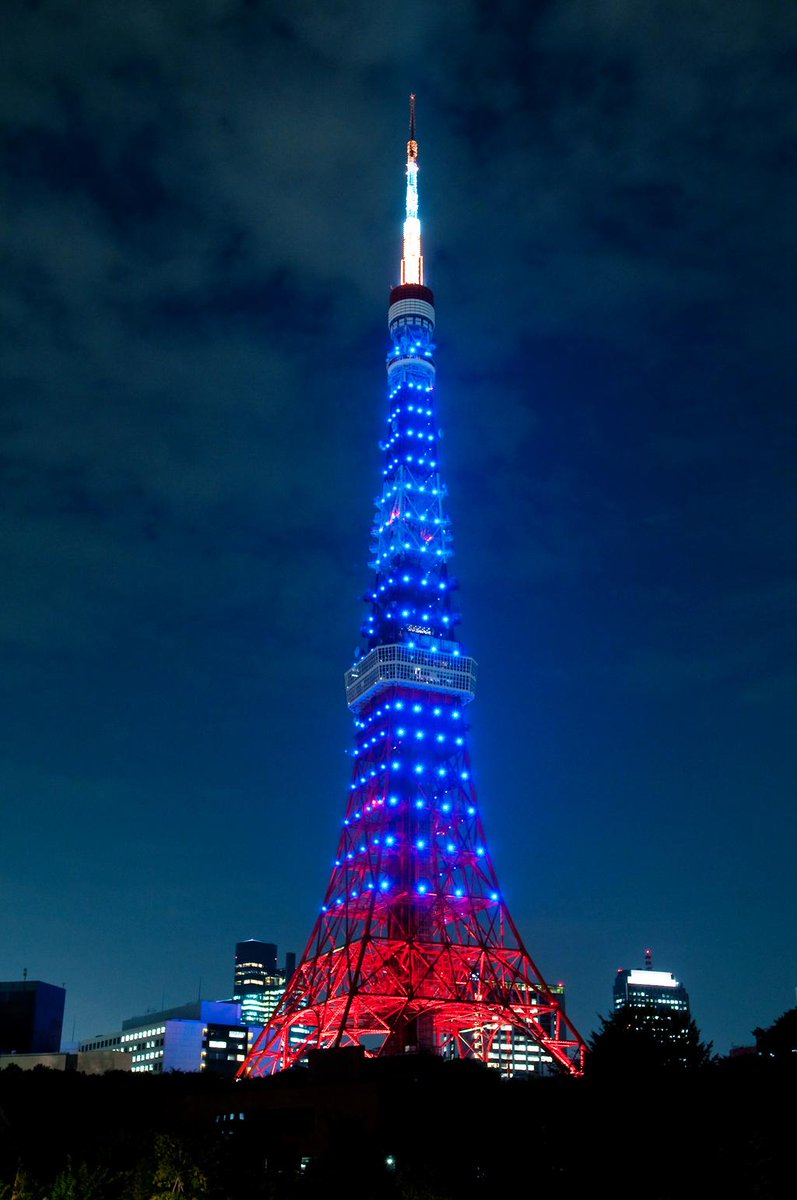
(259, 982)
(652, 991)
(414, 948)
(655, 1004)
(31, 1017)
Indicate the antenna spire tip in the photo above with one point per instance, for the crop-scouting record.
(412, 145)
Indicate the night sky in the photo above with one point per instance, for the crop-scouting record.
(204, 205)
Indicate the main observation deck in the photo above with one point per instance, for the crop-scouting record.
(435, 667)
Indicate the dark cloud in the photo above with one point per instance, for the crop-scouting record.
(203, 213)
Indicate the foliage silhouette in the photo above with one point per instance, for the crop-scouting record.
(778, 1040)
(639, 1039)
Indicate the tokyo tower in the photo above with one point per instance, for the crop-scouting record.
(414, 949)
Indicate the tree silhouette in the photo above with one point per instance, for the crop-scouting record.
(176, 1171)
(80, 1182)
(779, 1040)
(639, 1039)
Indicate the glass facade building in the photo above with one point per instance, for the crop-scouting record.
(259, 982)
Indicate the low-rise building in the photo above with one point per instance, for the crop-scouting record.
(206, 1035)
(88, 1062)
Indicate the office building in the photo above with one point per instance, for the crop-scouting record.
(514, 1053)
(87, 1062)
(31, 1017)
(654, 991)
(205, 1035)
(259, 982)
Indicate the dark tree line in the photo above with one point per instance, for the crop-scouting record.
(638, 1040)
(779, 1040)
(669, 1117)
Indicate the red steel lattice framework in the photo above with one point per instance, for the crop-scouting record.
(414, 948)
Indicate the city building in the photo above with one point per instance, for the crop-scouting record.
(653, 991)
(259, 982)
(413, 949)
(205, 1035)
(88, 1062)
(31, 1017)
(514, 1053)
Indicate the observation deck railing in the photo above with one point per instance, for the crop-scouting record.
(425, 668)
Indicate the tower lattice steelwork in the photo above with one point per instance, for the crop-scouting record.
(414, 948)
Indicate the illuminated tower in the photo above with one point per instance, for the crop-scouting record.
(414, 948)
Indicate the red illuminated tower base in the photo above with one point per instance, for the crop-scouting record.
(414, 949)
